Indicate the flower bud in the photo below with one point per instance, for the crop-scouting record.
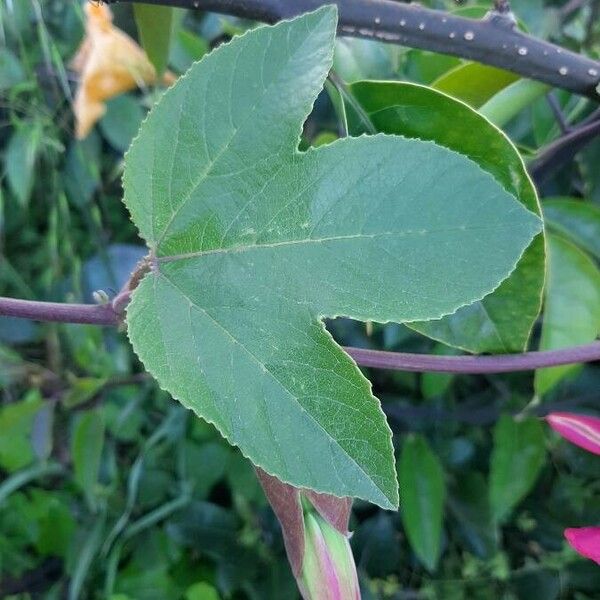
(581, 430)
(328, 570)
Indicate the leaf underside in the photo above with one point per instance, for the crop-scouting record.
(254, 243)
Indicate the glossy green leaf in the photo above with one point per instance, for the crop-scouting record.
(572, 305)
(502, 321)
(513, 99)
(86, 450)
(575, 219)
(154, 25)
(474, 83)
(517, 458)
(422, 495)
(252, 243)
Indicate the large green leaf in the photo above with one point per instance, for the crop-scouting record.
(502, 321)
(572, 306)
(252, 243)
(422, 494)
(516, 461)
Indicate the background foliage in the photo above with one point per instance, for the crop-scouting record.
(109, 489)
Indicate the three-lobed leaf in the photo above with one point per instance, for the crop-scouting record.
(253, 243)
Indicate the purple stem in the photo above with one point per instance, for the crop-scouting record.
(111, 314)
(92, 314)
(499, 363)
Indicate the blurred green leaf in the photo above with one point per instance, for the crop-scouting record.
(186, 48)
(512, 100)
(201, 591)
(572, 306)
(20, 158)
(538, 583)
(517, 457)
(469, 504)
(87, 441)
(375, 544)
(122, 120)
(207, 528)
(575, 219)
(154, 23)
(55, 522)
(16, 424)
(82, 556)
(422, 496)
(11, 71)
(82, 169)
(42, 431)
(205, 464)
(21, 478)
(81, 390)
(423, 66)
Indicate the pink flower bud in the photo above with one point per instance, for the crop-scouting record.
(580, 430)
(328, 570)
(585, 541)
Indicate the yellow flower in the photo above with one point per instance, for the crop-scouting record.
(109, 63)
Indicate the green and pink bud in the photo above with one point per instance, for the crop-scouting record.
(328, 571)
(315, 532)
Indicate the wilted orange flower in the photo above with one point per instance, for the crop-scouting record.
(109, 63)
